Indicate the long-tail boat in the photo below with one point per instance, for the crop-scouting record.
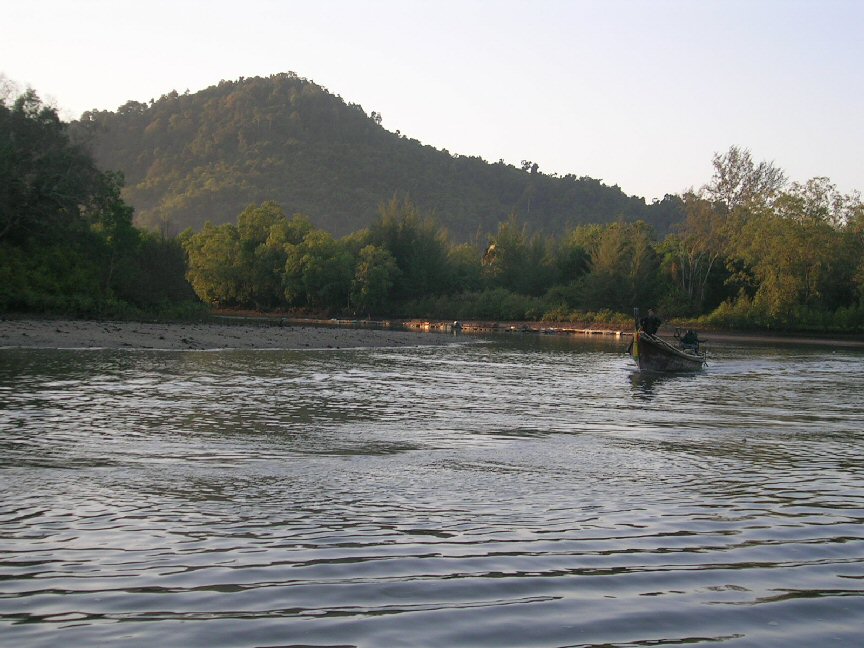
(653, 353)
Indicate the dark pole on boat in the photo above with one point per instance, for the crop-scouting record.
(636, 319)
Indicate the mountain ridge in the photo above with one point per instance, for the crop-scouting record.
(205, 156)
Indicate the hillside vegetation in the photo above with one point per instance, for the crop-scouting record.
(192, 158)
(751, 250)
(67, 242)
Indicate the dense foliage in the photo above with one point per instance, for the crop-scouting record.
(193, 158)
(750, 251)
(67, 243)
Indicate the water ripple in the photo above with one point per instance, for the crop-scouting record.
(521, 492)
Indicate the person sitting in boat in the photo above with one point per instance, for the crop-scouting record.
(650, 323)
(690, 340)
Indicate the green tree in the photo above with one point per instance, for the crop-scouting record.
(214, 271)
(289, 232)
(624, 266)
(698, 248)
(111, 221)
(465, 263)
(418, 246)
(739, 182)
(44, 178)
(517, 261)
(67, 242)
(262, 231)
(159, 280)
(818, 200)
(374, 276)
(572, 259)
(319, 272)
(796, 256)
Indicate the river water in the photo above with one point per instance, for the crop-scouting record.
(512, 491)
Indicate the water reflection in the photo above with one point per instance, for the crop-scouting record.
(646, 385)
(528, 490)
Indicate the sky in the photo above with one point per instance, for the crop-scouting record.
(636, 93)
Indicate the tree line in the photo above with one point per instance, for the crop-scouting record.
(753, 251)
(67, 242)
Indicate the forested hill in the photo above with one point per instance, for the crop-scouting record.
(206, 156)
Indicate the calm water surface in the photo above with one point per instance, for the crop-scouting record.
(522, 491)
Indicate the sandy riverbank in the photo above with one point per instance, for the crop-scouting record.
(86, 334)
(81, 334)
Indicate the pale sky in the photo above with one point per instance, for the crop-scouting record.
(636, 93)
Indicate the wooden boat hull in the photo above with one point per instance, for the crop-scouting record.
(652, 353)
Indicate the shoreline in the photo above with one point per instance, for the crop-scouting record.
(258, 331)
(583, 329)
(201, 336)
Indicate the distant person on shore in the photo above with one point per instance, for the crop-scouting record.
(650, 323)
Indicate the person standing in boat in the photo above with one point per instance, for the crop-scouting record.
(650, 323)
